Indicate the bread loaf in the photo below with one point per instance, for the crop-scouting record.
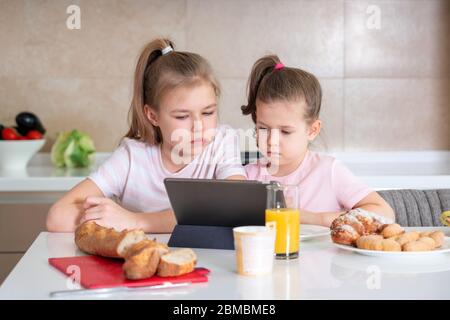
(143, 257)
(106, 242)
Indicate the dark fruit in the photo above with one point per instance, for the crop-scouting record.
(28, 121)
(21, 130)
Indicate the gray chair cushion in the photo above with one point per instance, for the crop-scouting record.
(418, 207)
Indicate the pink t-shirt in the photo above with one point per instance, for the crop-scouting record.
(325, 184)
(134, 174)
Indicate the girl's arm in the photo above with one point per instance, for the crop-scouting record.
(237, 177)
(66, 213)
(165, 221)
(372, 202)
(107, 213)
(86, 202)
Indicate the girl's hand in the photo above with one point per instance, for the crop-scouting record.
(108, 213)
(318, 218)
(307, 217)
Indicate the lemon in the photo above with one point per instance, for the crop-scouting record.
(445, 218)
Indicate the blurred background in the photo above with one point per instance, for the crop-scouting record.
(384, 65)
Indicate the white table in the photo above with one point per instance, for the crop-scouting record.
(322, 272)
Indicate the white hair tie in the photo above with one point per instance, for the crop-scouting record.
(166, 50)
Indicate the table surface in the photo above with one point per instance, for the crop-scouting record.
(322, 271)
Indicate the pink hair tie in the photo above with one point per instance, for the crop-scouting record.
(279, 66)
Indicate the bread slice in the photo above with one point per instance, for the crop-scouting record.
(107, 242)
(136, 248)
(177, 263)
(142, 259)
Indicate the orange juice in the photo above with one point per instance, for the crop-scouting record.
(288, 231)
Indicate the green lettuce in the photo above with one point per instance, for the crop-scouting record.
(73, 149)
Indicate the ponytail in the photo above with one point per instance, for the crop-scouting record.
(260, 69)
(139, 123)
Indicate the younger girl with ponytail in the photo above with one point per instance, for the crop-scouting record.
(173, 133)
(285, 104)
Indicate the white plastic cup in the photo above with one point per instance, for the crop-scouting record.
(255, 247)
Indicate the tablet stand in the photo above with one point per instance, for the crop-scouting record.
(205, 237)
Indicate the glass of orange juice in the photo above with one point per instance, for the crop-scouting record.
(283, 209)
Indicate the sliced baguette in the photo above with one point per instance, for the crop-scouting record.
(107, 242)
(177, 263)
(136, 248)
(142, 259)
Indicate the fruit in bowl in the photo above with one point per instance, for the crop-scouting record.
(18, 144)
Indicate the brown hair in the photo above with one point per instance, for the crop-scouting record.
(156, 74)
(268, 84)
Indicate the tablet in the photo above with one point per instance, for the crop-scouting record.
(213, 202)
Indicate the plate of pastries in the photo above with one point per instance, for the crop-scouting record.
(370, 234)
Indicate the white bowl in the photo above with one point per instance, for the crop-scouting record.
(15, 154)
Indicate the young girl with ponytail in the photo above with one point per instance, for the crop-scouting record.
(173, 133)
(285, 104)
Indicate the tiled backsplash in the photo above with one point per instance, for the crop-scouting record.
(384, 65)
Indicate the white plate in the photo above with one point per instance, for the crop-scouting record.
(310, 231)
(444, 249)
(346, 263)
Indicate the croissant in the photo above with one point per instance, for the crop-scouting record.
(344, 234)
(348, 227)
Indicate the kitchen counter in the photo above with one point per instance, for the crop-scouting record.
(41, 176)
(380, 170)
(322, 272)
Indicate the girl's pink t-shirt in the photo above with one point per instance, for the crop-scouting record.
(134, 174)
(325, 184)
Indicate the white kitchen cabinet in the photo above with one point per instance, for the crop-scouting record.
(20, 224)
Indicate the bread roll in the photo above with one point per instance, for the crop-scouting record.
(425, 233)
(438, 237)
(391, 230)
(370, 242)
(422, 244)
(391, 245)
(376, 242)
(407, 237)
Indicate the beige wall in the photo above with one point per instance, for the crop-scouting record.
(384, 89)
